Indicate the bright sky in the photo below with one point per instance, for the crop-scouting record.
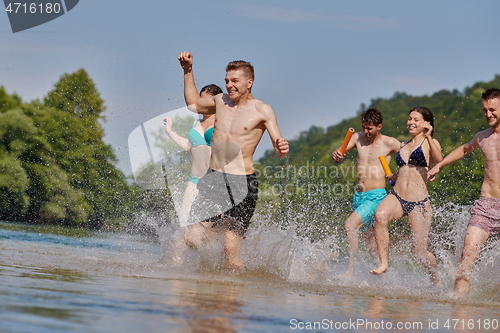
(315, 61)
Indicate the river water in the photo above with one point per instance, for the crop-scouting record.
(66, 280)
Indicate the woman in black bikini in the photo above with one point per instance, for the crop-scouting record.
(410, 196)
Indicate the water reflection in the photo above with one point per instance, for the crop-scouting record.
(212, 307)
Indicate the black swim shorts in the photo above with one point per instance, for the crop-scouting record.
(227, 200)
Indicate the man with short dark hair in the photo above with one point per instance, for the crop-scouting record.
(371, 144)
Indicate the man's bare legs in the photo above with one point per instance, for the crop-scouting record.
(474, 239)
(194, 235)
(232, 251)
(352, 225)
(388, 210)
(371, 244)
(198, 233)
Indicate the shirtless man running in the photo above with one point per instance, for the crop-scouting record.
(228, 192)
(371, 144)
(485, 213)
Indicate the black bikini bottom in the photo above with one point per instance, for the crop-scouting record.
(408, 206)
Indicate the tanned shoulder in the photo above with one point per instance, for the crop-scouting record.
(264, 109)
(474, 143)
(395, 142)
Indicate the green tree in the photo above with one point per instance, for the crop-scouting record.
(52, 197)
(15, 132)
(55, 167)
(76, 94)
(76, 136)
(8, 102)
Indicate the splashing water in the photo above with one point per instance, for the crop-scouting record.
(75, 281)
(273, 252)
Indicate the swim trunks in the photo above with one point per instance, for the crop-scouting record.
(408, 206)
(365, 204)
(222, 196)
(485, 214)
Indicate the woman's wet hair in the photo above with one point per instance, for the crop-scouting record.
(211, 89)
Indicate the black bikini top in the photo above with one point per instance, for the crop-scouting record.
(417, 157)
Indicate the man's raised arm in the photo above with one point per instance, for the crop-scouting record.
(191, 94)
(455, 155)
(204, 105)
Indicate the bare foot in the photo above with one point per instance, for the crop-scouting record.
(233, 269)
(176, 261)
(436, 280)
(380, 270)
(459, 294)
(462, 287)
(349, 273)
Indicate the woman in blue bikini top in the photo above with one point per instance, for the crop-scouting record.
(197, 139)
(410, 196)
(198, 145)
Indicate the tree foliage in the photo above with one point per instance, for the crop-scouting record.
(458, 116)
(55, 165)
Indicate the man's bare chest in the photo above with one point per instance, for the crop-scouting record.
(238, 122)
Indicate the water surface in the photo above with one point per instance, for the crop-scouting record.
(60, 280)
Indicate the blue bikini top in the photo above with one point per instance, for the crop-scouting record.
(209, 134)
(417, 157)
(196, 139)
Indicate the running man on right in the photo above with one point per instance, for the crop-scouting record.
(370, 190)
(485, 213)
